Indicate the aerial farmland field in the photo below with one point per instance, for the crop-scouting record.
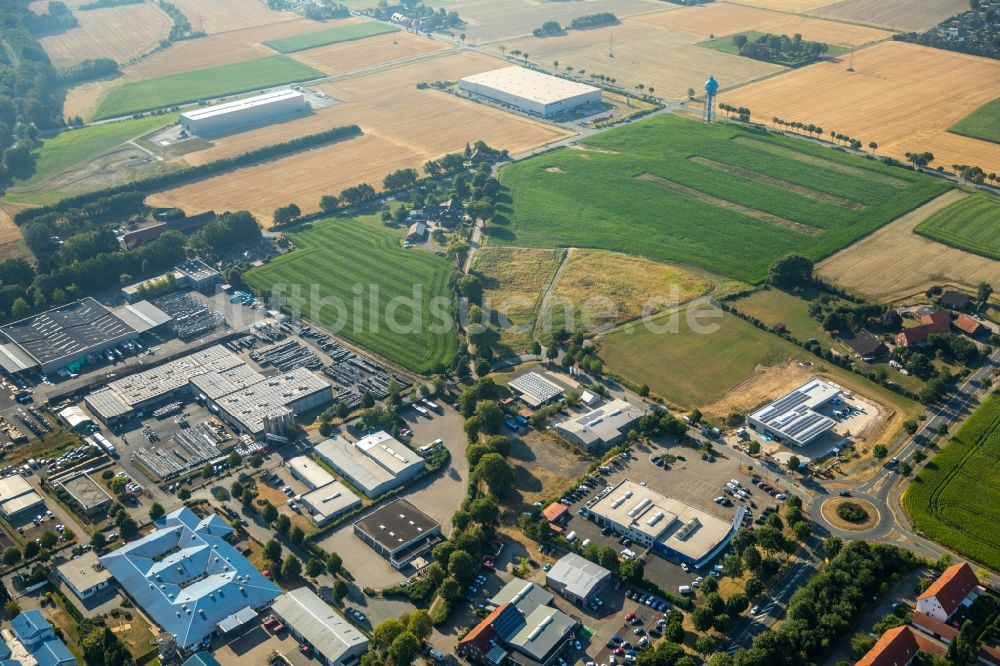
(902, 96)
(953, 499)
(717, 197)
(335, 35)
(893, 262)
(219, 16)
(203, 83)
(983, 123)
(903, 15)
(119, 33)
(971, 224)
(358, 54)
(335, 255)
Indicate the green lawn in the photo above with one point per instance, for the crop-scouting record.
(555, 202)
(725, 45)
(983, 123)
(73, 147)
(345, 33)
(204, 84)
(338, 255)
(954, 499)
(971, 224)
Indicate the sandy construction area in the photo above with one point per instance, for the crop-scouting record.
(403, 126)
(902, 96)
(119, 33)
(215, 50)
(904, 15)
(664, 59)
(213, 16)
(362, 53)
(894, 263)
(720, 19)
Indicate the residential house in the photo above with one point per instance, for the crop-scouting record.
(968, 325)
(897, 647)
(935, 322)
(955, 587)
(417, 233)
(864, 344)
(954, 300)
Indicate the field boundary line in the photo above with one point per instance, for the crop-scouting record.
(544, 302)
(718, 202)
(821, 162)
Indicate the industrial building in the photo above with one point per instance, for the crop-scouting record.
(602, 427)
(528, 634)
(18, 498)
(530, 91)
(375, 464)
(242, 113)
(189, 579)
(249, 401)
(665, 525)
(534, 390)
(90, 499)
(577, 579)
(309, 472)
(85, 575)
(69, 334)
(329, 502)
(793, 419)
(35, 642)
(334, 640)
(520, 593)
(399, 531)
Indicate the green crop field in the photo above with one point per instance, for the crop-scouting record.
(983, 123)
(338, 257)
(73, 147)
(955, 498)
(203, 84)
(346, 33)
(728, 206)
(971, 224)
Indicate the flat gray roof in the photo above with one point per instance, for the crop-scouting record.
(84, 572)
(85, 490)
(577, 574)
(319, 624)
(309, 471)
(545, 627)
(332, 499)
(396, 524)
(529, 84)
(793, 416)
(602, 424)
(271, 397)
(535, 389)
(520, 592)
(16, 495)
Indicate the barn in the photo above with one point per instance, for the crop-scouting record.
(231, 116)
(530, 91)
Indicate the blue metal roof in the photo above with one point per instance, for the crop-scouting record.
(30, 626)
(187, 577)
(35, 633)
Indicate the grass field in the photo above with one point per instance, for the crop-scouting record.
(203, 84)
(971, 224)
(895, 263)
(335, 256)
(72, 147)
(725, 45)
(983, 123)
(669, 193)
(902, 96)
(347, 33)
(513, 281)
(954, 499)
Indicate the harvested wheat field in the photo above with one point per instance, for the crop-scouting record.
(894, 263)
(403, 127)
(215, 50)
(793, 6)
(903, 15)
(120, 33)
(902, 96)
(368, 52)
(767, 383)
(721, 19)
(597, 289)
(83, 100)
(641, 50)
(11, 244)
(214, 16)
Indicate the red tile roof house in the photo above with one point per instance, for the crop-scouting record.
(936, 322)
(957, 584)
(556, 514)
(897, 647)
(968, 325)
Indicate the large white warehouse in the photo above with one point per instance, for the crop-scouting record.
(530, 91)
(231, 116)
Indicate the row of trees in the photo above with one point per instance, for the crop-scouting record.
(741, 112)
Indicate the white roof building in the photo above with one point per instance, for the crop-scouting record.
(602, 427)
(535, 390)
(576, 578)
(374, 465)
(329, 502)
(793, 419)
(17, 497)
(530, 91)
(309, 472)
(315, 623)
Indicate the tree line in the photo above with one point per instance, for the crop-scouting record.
(779, 48)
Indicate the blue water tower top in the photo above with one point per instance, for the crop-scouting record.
(711, 86)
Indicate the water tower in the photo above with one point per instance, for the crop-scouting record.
(711, 88)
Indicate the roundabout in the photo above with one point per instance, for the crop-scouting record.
(859, 516)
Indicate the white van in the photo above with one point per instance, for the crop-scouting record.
(586, 542)
(571, 537)
(684, 589)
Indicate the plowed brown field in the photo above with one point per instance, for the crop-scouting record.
(119, 33)
(902, 96)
